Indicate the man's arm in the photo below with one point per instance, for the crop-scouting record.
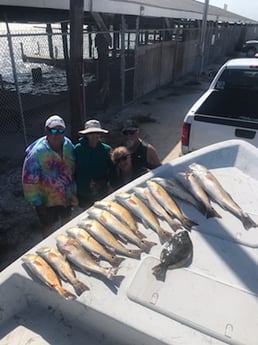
(152, 157)
(30, 180)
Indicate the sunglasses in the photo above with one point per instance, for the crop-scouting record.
(129, 132)
(122, 158)
(56, 131)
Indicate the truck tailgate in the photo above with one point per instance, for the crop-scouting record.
(206, 130)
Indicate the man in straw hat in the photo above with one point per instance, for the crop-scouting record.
(93, 164)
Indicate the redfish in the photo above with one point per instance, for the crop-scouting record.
(121, 213)
(92, 245)
(42, 270)
(108, 220)
(169, 204)
(62, 267)
(141, 211)
(215, 190)
(101, 234)
(75, 253)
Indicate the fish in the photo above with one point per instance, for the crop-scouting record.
(75, 253)
(169, 204)
(42, 270)
(145, 195)
(218, 194)
(101, 234)
(62, 267)
(176, 253)
(192, 184)
(176, 189)
(108, 220)
(141, 211)
(121, 213)
(93, 246)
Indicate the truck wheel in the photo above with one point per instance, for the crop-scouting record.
(251, 52)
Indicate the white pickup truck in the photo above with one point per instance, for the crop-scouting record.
(227, 110)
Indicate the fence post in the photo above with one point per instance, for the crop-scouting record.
(50, 41)
(16, 81)
(122, 73)
(136, 50)
(76, 66)
(203, 36)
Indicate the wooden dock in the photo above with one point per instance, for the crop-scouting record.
(41, 59)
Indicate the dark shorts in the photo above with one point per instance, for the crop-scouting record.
(86, 201)
(54, 214)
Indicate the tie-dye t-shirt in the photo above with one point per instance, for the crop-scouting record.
(48, 178)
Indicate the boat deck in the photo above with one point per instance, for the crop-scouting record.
(213, 300)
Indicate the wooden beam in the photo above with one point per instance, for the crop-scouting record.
(76, 67)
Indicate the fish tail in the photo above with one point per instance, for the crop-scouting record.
(188, 223)
(173, 224)
(116, 261)
(111, 272)
(160, 271)
(65, 293)
(248, 222)
(201, 207)
(164, 235)
(80, 287)
(134, 253)
(147, 245)
(211, 212)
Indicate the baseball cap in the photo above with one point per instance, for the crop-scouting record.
(54, 121)
(130, 125)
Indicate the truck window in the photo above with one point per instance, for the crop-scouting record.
(238, 79)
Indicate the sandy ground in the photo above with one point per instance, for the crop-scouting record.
(160, 115)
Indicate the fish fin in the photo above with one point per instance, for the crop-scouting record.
(211, 212)
(80, 287)
(111, 249)
(62, 276)
(160, 271)
(111, 272)
(147, 245)
(122, 238)
(188, 223)
(95, 255)
(247, 221)
(145, 224)
(173, 224)
(139, 234)
(65, 293)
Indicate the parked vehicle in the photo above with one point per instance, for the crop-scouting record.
(227, 110)
(250, 48)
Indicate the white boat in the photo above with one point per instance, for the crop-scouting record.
(212, 301)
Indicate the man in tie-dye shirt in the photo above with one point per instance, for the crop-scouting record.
(48, 175)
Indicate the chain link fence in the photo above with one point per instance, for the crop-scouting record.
(31, 86)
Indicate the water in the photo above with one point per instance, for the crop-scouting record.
(35, 42)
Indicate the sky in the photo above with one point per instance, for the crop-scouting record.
(246, 8)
